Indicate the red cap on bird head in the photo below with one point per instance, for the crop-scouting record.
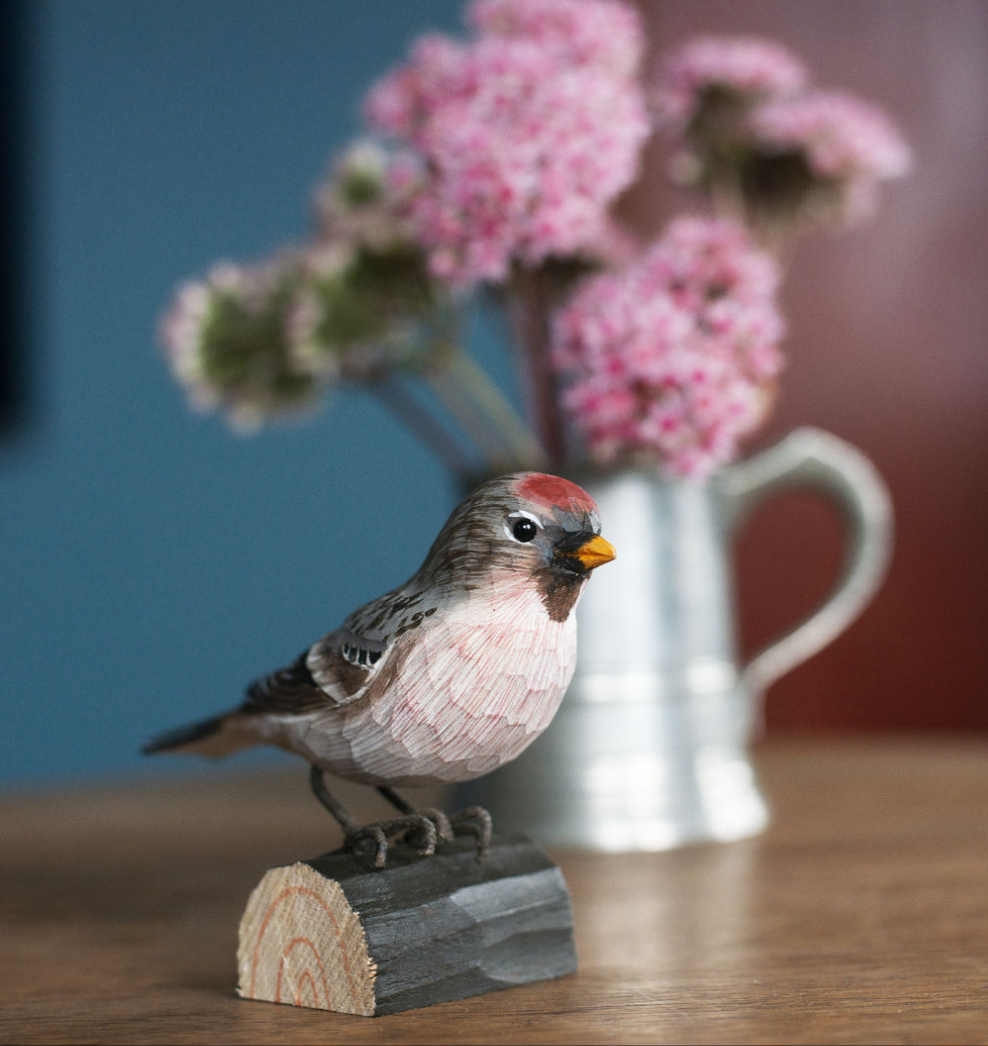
(554, 492)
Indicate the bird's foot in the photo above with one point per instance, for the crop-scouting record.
(420, 830)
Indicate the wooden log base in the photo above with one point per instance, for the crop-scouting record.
(335, 933)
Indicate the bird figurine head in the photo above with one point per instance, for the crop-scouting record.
(531, 526)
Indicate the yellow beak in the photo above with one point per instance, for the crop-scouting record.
(594, 552)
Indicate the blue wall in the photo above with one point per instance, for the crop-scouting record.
(151, 562)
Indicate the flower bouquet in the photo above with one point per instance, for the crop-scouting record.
(493, 169)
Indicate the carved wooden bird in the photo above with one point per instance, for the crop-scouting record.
(446, 677)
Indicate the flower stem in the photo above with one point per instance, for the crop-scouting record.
(727, 199)
(512, 430)
(529, 303)
(423, 424)
(474, 425)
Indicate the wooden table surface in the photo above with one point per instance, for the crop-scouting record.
(860, 916)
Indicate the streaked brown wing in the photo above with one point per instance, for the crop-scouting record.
(289, 690)
(336, 670)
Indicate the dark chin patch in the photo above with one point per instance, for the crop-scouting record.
(559, 589)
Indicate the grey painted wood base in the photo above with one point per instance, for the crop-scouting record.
(335, 933)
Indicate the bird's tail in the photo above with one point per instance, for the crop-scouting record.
(218, 736)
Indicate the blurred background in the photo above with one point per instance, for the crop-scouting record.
(151, 561)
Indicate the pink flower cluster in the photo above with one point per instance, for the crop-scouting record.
(843, 139)
(750, 125)
(674, 358)
(604, 33)
(527, 133)
(745, 67)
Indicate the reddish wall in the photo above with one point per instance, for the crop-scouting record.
(888, 348)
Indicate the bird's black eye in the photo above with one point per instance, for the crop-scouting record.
(524, 530)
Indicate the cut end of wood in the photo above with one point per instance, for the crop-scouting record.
(337, 934)
(301, 943)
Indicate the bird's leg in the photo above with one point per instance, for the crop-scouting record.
(474, 820)
(356, 837)
(332, 804)
(352, 832)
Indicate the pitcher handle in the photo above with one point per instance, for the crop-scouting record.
(817, 460)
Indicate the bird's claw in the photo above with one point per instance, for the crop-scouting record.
(475, 821)
(357, 839)
(444, 829)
